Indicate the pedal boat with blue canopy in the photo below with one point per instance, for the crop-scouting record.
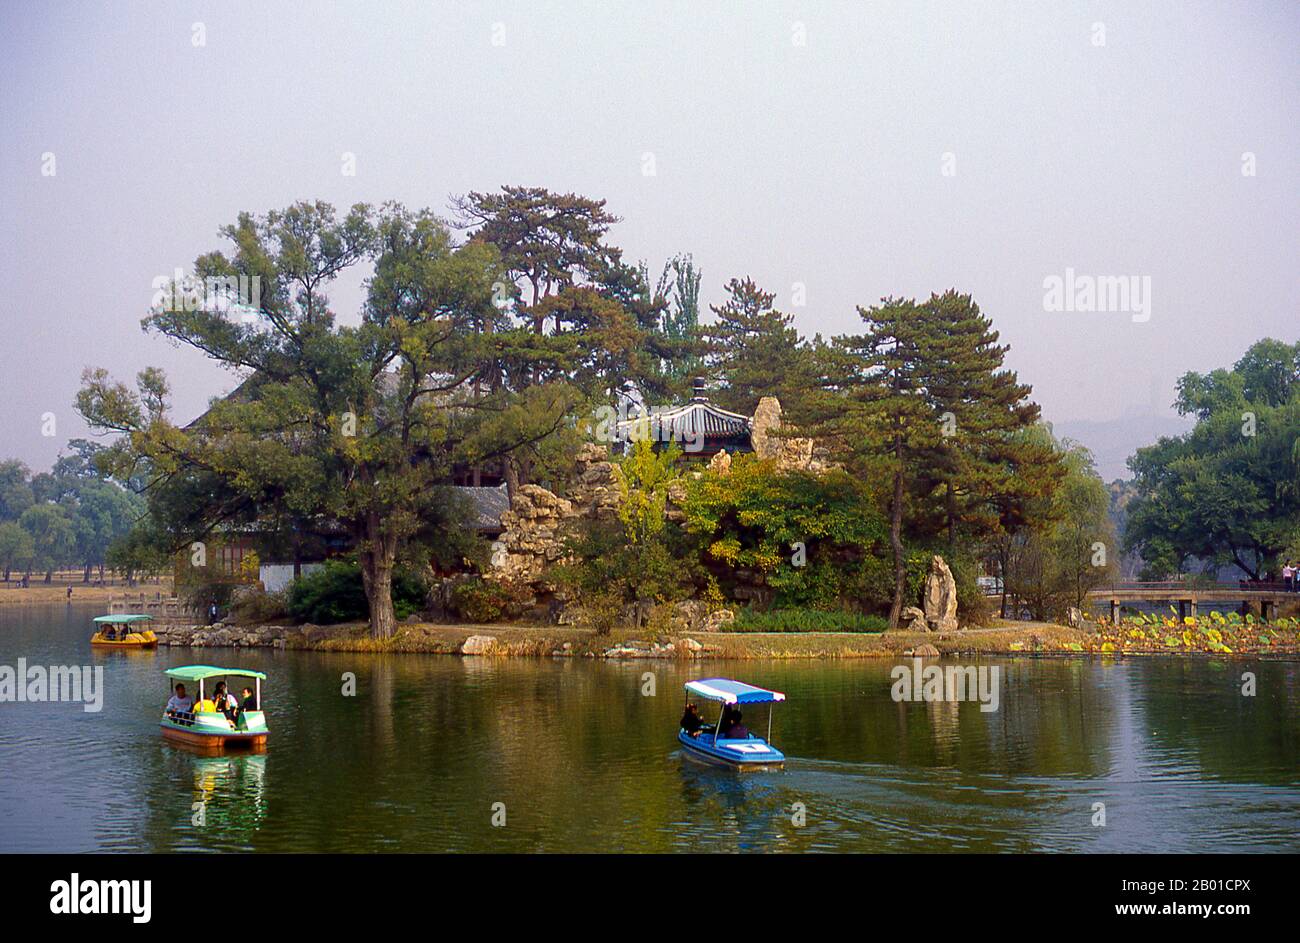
(743, 753)
(123, 630)
(207, 728)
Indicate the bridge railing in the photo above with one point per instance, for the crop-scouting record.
(1195, 584)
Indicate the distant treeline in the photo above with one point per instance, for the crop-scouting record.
(68, 517)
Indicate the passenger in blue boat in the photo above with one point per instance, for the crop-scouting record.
(692, 723)
(737, 730)
(727, 721)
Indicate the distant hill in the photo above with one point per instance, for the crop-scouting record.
(1112, 441)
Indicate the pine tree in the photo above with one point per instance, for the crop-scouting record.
(755, 351)
(980, 463)
(879, 414)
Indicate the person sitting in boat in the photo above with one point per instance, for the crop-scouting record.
(737, 730)
(692, 723)
(730, 728)
(250, 702)
(110, 633)
(225, 702)
(180, 702)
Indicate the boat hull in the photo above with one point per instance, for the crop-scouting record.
(742, 755)
(206, 732)
(214, 742)
(136, 640)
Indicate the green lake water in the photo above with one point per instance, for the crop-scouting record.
(582, 761)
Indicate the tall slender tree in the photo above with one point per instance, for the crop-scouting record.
(980, 463)
(879, 415)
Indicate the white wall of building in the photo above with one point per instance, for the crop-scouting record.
(276, 576)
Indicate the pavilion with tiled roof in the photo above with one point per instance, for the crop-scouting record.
(696, 421)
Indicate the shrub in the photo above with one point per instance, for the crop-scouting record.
(480, 600)
(805, 620)
(641, 557)
(606, 572)
(600, 611)
(335, 593)
(259, 606)
(756, 517)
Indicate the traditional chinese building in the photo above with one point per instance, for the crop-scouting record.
(699, 428)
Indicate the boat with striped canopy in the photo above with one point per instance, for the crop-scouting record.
(728, 742)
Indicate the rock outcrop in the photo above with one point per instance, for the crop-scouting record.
(790, 453)
(230, 636)
(940, 597)
(533, 535)
(539, 521)
(597, 483)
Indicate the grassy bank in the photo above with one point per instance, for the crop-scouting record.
(999, 639)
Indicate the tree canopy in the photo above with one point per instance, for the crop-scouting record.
(1227, 493)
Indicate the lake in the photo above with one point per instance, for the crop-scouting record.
(579, 759)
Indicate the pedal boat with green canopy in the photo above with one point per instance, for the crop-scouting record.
(742, 753)
(123, 630)
(206, 727)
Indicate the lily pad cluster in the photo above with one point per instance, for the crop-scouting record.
(1213, 632)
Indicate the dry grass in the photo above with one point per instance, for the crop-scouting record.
(1000, 638)
(58, 592)
(546, 640)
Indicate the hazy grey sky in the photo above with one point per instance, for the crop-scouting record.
(858, 149)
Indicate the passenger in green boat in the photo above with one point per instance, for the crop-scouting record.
(250, 702)
(180, 702)
(225, 701)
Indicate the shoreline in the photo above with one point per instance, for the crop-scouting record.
(506, 640)
(45, 594)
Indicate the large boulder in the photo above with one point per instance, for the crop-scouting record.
(913, 620)
(940, 597)
(478, 645)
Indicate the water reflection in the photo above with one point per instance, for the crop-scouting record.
(745, 811)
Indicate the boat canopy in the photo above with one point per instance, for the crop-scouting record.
(202, 672)
(122, 618)
(732, 692)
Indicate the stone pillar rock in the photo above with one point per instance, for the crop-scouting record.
(940, 597)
